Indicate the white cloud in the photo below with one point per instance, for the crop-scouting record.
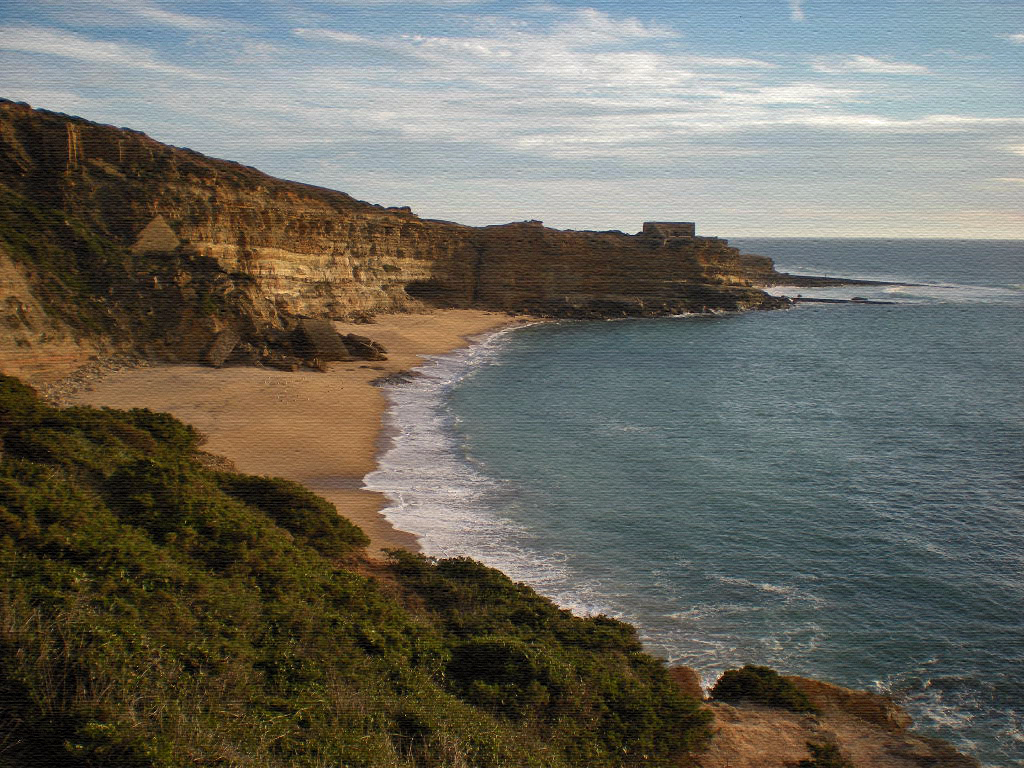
(1017, 149)
(69, 45)
(1019, 39)
(113, 12)
(567, 84)
(157, 15)
(590, 24)
(796, 10)
(334, 36)
(1008, 179)
(881, 123)
(794, 93)
(867, 65)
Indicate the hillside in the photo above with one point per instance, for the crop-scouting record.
(110, 241)
(158, 611)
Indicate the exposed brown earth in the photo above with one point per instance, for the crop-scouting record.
(869, 729)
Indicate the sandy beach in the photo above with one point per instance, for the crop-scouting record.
(319, 429)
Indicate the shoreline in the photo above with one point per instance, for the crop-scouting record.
(323, 430)
(225, 404)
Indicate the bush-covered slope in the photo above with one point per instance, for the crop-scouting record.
(156, 612)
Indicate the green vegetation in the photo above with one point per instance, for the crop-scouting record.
(155, 612)
(88, 278)
(66, 259)
(824, 756)
(760, 685)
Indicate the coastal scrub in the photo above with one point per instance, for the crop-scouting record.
(156, 612)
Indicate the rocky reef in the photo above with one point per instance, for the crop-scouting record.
(111, 241)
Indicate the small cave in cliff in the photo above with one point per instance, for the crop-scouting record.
(432, 292)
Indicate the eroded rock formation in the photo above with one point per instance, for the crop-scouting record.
(110, 240)
(867, 729)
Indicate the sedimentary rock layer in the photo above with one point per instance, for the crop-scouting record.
(109, 239)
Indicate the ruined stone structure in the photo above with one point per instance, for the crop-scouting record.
(667, 229)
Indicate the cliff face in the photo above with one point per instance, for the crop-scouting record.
(109, 239)
(528, 267)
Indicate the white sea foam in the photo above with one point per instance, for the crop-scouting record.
(436, 492)
(954, 293)
(909, 292)
(789, 591)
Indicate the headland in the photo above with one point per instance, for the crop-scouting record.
(113, 242)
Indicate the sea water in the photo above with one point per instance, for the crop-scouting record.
(835, 490)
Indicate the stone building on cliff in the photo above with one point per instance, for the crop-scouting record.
(667, 229)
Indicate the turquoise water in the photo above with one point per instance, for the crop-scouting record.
(833, 490)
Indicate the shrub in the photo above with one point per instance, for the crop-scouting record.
(824, 756)
(760, 685)
(311, 519)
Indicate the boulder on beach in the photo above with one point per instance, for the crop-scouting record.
(364, 348)
(223, 345)
(318, 339)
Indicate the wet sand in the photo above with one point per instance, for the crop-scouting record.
(319, 429)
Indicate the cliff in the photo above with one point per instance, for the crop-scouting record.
(110, 241)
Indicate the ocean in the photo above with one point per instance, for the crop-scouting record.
(835, 490)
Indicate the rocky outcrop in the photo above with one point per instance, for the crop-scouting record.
(757, 737)
(318, 339)
(869, 731)
(870, 707)
(364, 348)
(34, 342)
(527, 267)
(114, 241)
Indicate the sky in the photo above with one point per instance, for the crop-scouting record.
(799, 118)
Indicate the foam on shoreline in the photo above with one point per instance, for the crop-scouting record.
(438, 492)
